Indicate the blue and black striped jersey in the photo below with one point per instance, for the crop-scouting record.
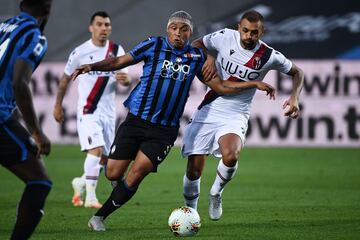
(20, 38)
(163, 90)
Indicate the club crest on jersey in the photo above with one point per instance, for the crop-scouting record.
(257, 63)
(178, 60)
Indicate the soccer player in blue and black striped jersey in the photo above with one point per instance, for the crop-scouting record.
(155, 107)
(22, 47)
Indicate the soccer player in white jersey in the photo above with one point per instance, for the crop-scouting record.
(96, 105)
(219, 125)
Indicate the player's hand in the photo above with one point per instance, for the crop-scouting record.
(58, 113)
(209, 70)
(123, 78)
(80, 70)
(43, 143)
(270, 90)
(293, 110)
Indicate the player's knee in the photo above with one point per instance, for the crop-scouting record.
(193, 174)
(112, 174)
(98, 151)
(230, 156)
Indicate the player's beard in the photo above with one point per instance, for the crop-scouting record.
(249, 44)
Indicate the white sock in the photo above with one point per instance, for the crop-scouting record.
(92, 171)
(223, 175)
(191, 191)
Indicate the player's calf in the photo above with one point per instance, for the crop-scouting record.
(30, 209)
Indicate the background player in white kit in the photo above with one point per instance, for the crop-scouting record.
(219, 125)
(96, 105)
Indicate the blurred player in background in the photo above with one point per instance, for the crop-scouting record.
(155, 107)
(22, 47)
(219, 125)
(96, 114)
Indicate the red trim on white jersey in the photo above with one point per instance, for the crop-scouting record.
(260, 57)
(98, 89)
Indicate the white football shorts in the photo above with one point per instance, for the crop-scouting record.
(95, 131)
(203, 137)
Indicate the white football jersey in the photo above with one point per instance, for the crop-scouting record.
(236, 63)
(96, 89)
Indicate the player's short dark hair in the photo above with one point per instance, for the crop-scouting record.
(100, 14)
(252, 16)
(33, 3)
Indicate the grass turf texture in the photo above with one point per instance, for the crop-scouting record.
(278, 193)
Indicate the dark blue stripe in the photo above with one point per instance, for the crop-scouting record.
(12, 21)
(40, 182)
(154, 63)
(143, 48)
(181, 98)
(173, 94)
(11, 47)
(157, 94)
(28, 40)
(98, 95)
(265, 57)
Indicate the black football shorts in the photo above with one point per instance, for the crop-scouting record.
(135, 134)
(16, 143)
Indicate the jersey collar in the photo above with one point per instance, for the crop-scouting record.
(28, 16)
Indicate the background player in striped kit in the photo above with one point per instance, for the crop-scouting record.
(22, 47)
(155, 107)
(96, 113)
(219, 125)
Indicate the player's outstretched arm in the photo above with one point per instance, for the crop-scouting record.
(21, 77)
(234, 87)
(109, 64)
(292, 103)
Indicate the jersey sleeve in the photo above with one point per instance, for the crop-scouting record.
(141, 51)
(72, 63)
(200, 66)
(281, 63)
(121, 52)
(214, 40)
(35, 46)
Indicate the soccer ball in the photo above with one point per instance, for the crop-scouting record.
(184, 222)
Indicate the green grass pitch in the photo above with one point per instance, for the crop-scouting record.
(277, 193)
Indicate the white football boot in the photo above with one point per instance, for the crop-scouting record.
(215, 207)
(78, 185)
(96, 223)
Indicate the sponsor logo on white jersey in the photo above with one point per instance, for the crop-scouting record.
(100, 73)
(240, 71)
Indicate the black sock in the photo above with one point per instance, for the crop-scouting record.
(30, 209)
(119, 196)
